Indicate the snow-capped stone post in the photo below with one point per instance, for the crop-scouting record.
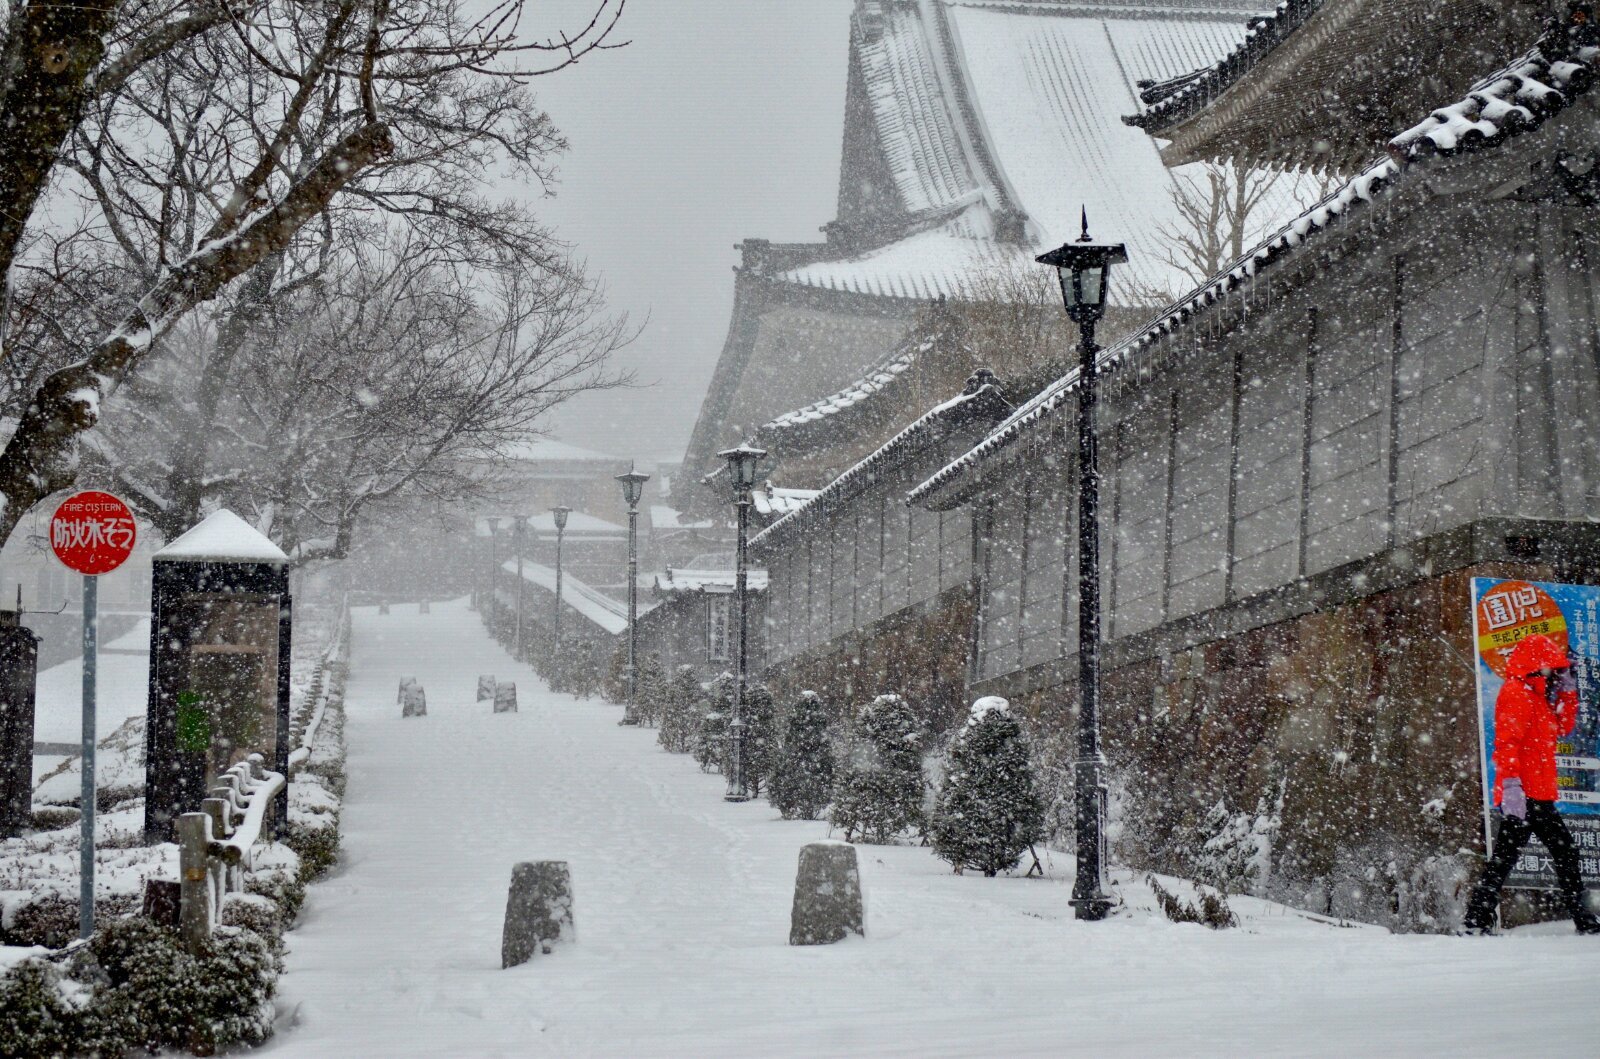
(413, 700)
(505, 698)
(486, 686)
(220, 644)
(538, 911)
(827, 895)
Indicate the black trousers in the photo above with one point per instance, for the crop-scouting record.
(1544, 821)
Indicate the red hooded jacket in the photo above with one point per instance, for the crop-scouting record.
(1526, 726)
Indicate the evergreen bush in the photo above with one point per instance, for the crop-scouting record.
(760, 735)
(680, 713)
(989, 810)
(801, 783)
(711, 738)
(878, 794)
(652, 691)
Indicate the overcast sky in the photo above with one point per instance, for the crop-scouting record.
(721, 120)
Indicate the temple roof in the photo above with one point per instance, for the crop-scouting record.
(1000, 121)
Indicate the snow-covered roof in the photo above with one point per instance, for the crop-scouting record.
(672, 581)
(1172, 100)
(610, 614)
(876, 379)
(541, 449)
(579, 524)
(1001, 121)
(663, 517)
(780, 500)
(1514, 99)
(961, 408)
(223, 536)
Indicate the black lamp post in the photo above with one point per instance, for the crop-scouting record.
(743, 473)
(518, 522)
(1085, 267)
(494, 571)
(560, 514)
(632, 489)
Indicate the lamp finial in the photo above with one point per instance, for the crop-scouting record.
(1084, 238)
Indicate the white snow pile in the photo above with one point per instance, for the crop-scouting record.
(987, 705)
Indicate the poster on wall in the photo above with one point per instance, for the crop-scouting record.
(1503, 612)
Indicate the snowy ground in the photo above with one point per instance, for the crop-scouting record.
(122, 679)
(682, 905)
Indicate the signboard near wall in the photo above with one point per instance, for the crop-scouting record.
(1504, 611)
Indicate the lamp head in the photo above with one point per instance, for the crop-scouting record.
(1084, 268)
(561, 514)
(632, 487)
(744, 468)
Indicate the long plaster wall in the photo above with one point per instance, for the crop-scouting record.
(1449, 378)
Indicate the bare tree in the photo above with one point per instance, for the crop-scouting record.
(391, 376)
(265, 114)
(1223, 209)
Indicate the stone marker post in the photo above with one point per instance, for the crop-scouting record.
(413, 700)
(486, 686)
(538, 911)
(827, 895)
(505, 698)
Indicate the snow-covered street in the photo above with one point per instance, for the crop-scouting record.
(682, 905)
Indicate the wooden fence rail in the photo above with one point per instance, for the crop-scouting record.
(215, 845)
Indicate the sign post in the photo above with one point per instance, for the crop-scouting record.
(92, 533)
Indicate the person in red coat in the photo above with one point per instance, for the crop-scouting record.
(1537, 705)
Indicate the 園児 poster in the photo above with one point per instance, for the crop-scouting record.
(1504, 611)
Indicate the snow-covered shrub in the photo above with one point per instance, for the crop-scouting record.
(801, 781)
(1236, 856)
(40, 1012)
(680, 715)
(1211, 911)
(135, 987)
(614, 685)
(711, 735)
(878, 793)
(652, 691)
(760, 735)
(989, 809)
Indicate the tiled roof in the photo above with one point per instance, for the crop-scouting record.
(1002, 121)
(957, 409)
(914, 117)
(1181, 97)
(878, 378)
(1514, 99)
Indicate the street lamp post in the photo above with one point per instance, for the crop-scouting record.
(560, 514)
(743, 463)
(517, 525)
(632, 489)
(494, 572)
(1084, 268)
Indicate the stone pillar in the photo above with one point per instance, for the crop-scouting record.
(19, 663)
(505, 698)
(538, 911)
(486, 686)
(827, 895)
(413, 700)
(194, 886)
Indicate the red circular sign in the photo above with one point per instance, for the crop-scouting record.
(92, 532)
